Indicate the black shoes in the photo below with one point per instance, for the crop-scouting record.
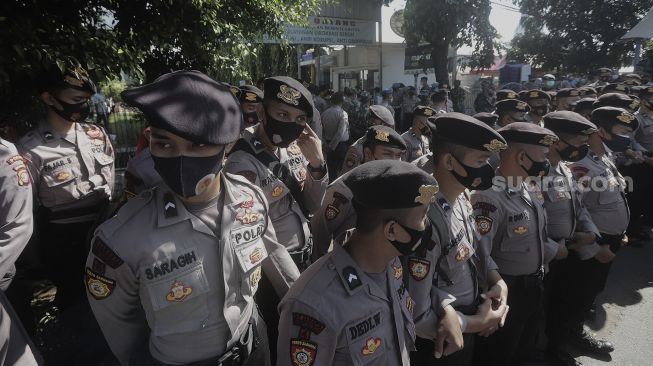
(587, 342)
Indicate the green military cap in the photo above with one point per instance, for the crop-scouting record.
(511, 105)
(645, 91)
(191, 105)
(506, 94)
(610, 88)
(390, 184)
(384, 135)
(528, 133)
(383, 114)
(250, 94)
(422, 110)
(467, 131)
(567, 93)
(583, 104)
(586, 90)
(568, 122)
(610, 116)
(289, 91)
(489, 119)
(535, 94)
(616, 100)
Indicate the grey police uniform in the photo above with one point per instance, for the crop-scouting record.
(336, 314)
(415, 146)
(607, 203)
(354, 156)
(16, 220)
(644, 133)
(141, 169)
(72, 174)
(185, 292)
(286, 213)
(566, 213)
(334, 218)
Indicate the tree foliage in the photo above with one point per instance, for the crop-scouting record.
(451, 23)
(577, 36)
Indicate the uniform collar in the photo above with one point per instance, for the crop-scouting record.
(352, 276)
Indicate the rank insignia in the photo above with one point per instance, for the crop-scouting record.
(98, 286)
(255, 277)
(351, 276)
(398, 271)
(256, 256)
(520, 230)
(371, 345)
(302, 352)
(419, 268)
(410, 304)
(62, 176)
(178, 292)
(247, 217)
(289, 95)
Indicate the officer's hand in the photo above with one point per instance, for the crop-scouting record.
(311, 146)
(624, 240)
(636, 155)
(498, 294)
(604, 254)
(562, 252)
(584, 238)
(449, 337)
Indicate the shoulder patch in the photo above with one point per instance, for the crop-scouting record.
(102, 251)
(483, 224)
(98, 286)
(303, 352)
(307, 325)
(485, 206)
(419, 268)
(351, 276)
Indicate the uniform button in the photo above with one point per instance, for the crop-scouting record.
(331, 266)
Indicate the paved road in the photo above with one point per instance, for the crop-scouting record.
(625, 312)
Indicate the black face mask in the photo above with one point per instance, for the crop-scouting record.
(477, 178)
(425, 131)
(573, 153)
(251, 118)
(618, 143)
(538, 168)
(281, 133)
(186, 175)
(411, 246)
(73, 112)
(540, 111)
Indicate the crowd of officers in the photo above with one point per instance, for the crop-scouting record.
(247, 235)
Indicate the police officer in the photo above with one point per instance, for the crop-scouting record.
(504, 94)
(616, 88)
(171, 277)
(511, 110)
(617, 100)
(379, 115)
(417, 140)
(604, 196)
(489, 119)
(569, 224)
(584, 107)
(587, 92)
(604, 77)
(351, 306)
(511, 220)
(539, 102)
(16, 224)
(642, 173)
(71, 164)
(565, 98)
(251, 102)
(450, 259)
(337, 215)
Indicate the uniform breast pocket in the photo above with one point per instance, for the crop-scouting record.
(610, 195)
(105, 164)
(367, 339)
(179, 301)
(516, 237)
(557, 195)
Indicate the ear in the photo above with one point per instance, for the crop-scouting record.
(48, 98)
(367, 154)
(521, 157)
(447, 161)
(389, 230)
(603, 133)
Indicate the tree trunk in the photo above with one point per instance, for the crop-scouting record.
(439, 54)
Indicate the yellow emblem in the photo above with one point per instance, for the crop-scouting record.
(371, 345)
(62, 176)
(548, 140)
(276, 192)
(521, 106)
(634, 105)
(382, 136)
(534, 94)
(179, 292)
(625, 117)
(289, 95)
(521, 230)
(255, 277)
(250, 97)
(495, 146)
(398, 271)
(511, 95)
(588, 131)
(234, 90)
(428, 112)
(426, 194)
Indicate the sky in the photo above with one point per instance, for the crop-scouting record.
(504, 20)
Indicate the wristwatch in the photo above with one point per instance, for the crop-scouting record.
(321, 169)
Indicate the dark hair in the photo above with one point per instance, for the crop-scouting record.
(441, 146)
(424, 78)
(368, 220)
(438, 97)
(336, 98)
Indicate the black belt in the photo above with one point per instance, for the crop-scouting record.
(48, 215)
(302, 256)
(529, 280)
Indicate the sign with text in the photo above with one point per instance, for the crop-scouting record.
(330, 31)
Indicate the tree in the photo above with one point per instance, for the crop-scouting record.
(451, 23)
(144, 38)
(577, 36)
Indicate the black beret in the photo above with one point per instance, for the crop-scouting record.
(634, 76)
(74, 77)
(191, 105)
(488, 118)
(528, 133)
(511, 105)
(384, 135)
(585, 103)
(235, 91)
(424, 111)
(622, 88)
(383, 114)
(631, 83)
(568, 122)
(586, 90)
(567, 93)
(467, 131)
(616, 100)
(522, 95)
(645, 90)
(250, 94)
(605, 70)
(289, 91)
(536, 94)
(390, 184)
(504, 94)
(608, 116)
